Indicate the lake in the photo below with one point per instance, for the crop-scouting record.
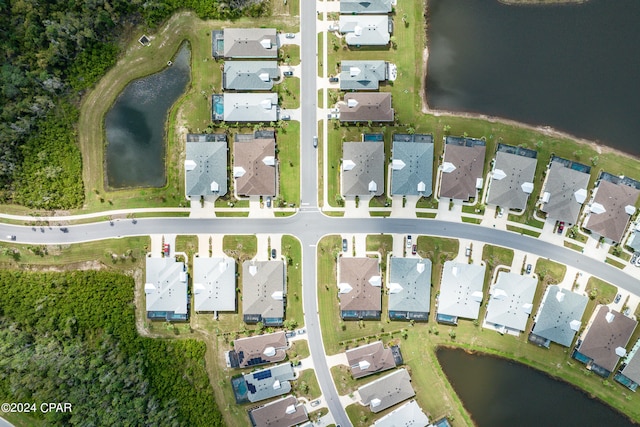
(136, 125)
(499, 392)
(572, 67)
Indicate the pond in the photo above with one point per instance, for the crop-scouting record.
(499, 392)
(136, 125)
(572, 67)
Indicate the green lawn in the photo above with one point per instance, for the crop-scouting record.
(550, 272)
(289, 162)
(496, 255)
(382, 244)
(299, 350)
(241, 248)
(573, 246)
(615, 263)
(306, 385)
(289, 92)
(438, 250)
(523, 231)
(293, 253)
(601, 291)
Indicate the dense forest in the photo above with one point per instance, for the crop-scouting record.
(51, 52)
(72, 338)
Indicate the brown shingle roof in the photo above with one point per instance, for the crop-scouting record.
(614, 197)
(253, 349)
(357, 272)
(605, 335)
(259, 179)
(375, 355)
(374, 106)
(469, 162)
(275, 414)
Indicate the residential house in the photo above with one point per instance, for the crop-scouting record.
(463, 168)
(249, 107)
(165, 289)
(412, 165)
(512, 177)
(353, 7)
(629, 372)
(408, 415)
(263, 292)
(565, 190)
(511, 302)
(285, 412)
(366, 30)
(362, 75)
(559, 317)
(612, 206)
(460, 292)
(387, 391)
(605, 341)
(254, 167)
(409, 289)
(366, 107)
(372, 358)
(359, 288)
(205, 166)
(258, 350)
(214, 284)
(249, 75)
(263, 384)
(363, 168)
(251, 43)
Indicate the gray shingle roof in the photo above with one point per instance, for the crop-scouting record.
(558, 309)
(249, 75)
(410, 285)
(365, 6)
(362, 165)
(412, 168)
(206, 168)
(369, 106)
(250, 43)
(214, 284)
(408, 415)
(263, 288)
(269, 382)
(511, 172)
(362, 75)
(166, 285)
(511, 300)
(632, 370)
(467, 156)
(614, 198)
(562, 184)
(285, 412)
(461, 290)
(359, 274)
(608, 331)
(387, 391)
(634, 241)
(365, 30)
(369, 359)
(254, 167)
(251, 107)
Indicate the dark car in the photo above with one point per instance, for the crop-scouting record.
(528, 268)
(561, 227)
(288, 73)
(414, 249)
(344, 245)
(315, 142)
(273, 253)
(333, 79)
(268, 201)
(617, 299)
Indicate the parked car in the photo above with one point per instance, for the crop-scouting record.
(409, 242)
(290, 36)
(166, 249)
(285, 117)
(617, 299)
(333, 79)
(273, 253)
(561, 227)
(345, 246)
(268, 201)
(315, 142)
(11, 237)
(301, 331)
(414, 249)
(290, 334)
(287, 73)
(500, 212)
(333, 116)
(528, 268)
(467, 251)
(315, 402)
